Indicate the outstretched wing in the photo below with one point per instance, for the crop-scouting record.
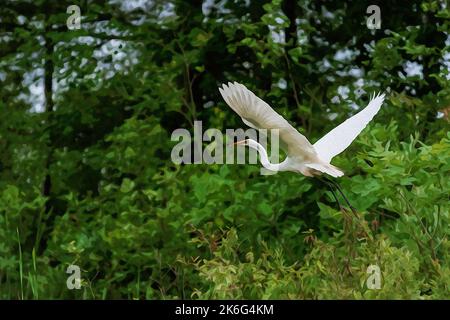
(338, 139)
(259, 115)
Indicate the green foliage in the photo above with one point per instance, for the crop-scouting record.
(86, 176)
(326, 272)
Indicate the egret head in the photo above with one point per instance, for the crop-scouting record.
(249, 143)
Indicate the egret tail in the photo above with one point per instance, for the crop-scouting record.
(326, 168)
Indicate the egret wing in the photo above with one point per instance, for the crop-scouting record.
(257, 114)
(338, 139)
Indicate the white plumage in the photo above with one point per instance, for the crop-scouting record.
(338, 139)
(302, 156)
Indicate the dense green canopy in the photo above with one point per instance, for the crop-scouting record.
(86, 176)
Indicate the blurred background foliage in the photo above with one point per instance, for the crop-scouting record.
(86, 176)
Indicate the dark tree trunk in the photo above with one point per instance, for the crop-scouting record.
(49, 108)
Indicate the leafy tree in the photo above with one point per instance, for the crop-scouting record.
(86, 176)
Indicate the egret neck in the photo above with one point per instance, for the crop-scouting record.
(264, 157)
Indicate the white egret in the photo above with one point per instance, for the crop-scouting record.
(302, 156)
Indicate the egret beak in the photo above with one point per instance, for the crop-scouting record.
(236, 143)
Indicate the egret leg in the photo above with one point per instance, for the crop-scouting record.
(335, 196)
(355, 213)
(332, 191)
(336, 185)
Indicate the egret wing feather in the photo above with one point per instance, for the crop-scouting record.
(257, 114)
(338, 139)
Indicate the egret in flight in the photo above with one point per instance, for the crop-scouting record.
(302, 156)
